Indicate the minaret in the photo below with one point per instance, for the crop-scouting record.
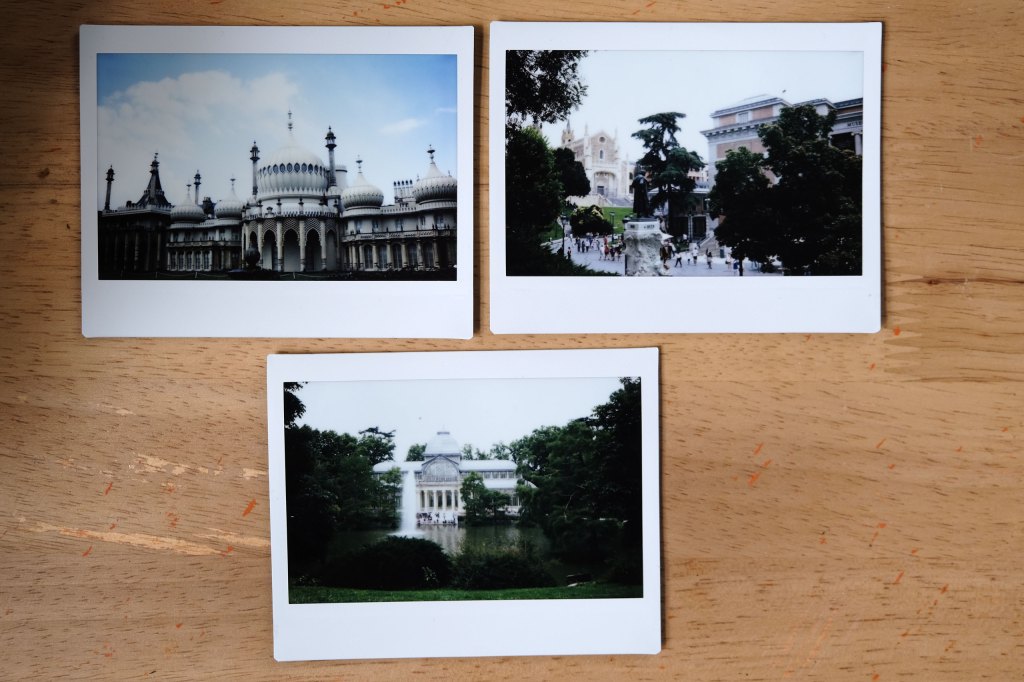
(332, 180)
(110, 181)
(254, 154)
(197, 187)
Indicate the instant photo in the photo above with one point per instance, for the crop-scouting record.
(231, 188)
(499, 489)
(690, 177)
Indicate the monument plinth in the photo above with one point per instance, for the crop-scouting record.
(643, 238)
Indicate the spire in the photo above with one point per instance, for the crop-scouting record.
(197, 179)
(431, 150)
(289, 120)
(153, 195)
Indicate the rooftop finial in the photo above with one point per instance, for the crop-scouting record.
(289, 120)
(430, 150)
(232, 185)
(359, 163)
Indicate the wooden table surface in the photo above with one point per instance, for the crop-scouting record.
(834, 507)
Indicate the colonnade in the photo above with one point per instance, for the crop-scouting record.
(367, 254)
(438, 499)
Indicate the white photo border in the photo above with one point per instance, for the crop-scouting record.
(484, 628)
(420, 309)
(524, 305)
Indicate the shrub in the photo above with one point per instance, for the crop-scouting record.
(488, 567)
(627, 569)
(394, 563)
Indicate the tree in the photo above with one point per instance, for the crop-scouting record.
(293, 406)
(533, 202)
(541, 86)
(586, 479)
(589, 220)
(375, 445)
(415, 453)
(571, 173)
(668, 164)
(741, 192)
(810, 218)
(482, 504)
(500, 451)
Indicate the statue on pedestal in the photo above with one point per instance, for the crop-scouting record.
(640, 187)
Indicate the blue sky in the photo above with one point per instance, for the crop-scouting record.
(203, 111)
(626, 85)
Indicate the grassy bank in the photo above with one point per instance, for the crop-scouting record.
(321, 595)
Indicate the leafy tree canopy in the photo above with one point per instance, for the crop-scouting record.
(571, 174)
(810, 218)
(293, 406)
(541, 86)
(589, 220)
(585, 476)
(415, 453)
(376, 445)
(667, 163)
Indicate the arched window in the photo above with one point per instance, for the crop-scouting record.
(600, 154)
(289, 168)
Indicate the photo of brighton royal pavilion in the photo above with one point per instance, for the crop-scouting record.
(468, 489)
(276, 167)
(683, 164)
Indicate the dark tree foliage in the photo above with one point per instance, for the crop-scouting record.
(587, 479)
(375, 445)
(394, 563)
(541, 86)
(589, 220)
(482, 504)
(811, 218)
(669, 164)
(533, 201)
(500, 451)
(415, 453)
(741, 191)
(571, 173)
(293, 406)
(330, 486)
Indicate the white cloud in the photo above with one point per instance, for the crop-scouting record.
(202, 120)
(401, 127)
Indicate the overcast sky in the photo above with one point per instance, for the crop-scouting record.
(624, 86)
(203, 111)
(481, 412)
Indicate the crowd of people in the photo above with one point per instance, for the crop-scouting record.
(608, 248)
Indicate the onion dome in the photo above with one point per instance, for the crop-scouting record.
(361, 194)
(292, 169)
(187, 211)
(231, 207)
(442, 444)
(435, 185)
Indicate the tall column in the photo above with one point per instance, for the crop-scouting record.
(279, 265)
(323, 245)
(858, 143)
(259, 242)
(197, 178)
(302, 247)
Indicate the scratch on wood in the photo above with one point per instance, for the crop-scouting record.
(249, 508)
(132, 539)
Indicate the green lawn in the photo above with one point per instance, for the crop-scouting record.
(615, 214)
(320, 595)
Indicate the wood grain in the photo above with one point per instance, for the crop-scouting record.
(834, 507)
